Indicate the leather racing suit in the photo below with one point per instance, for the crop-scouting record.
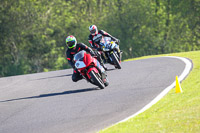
(70, 55)
(94, 41)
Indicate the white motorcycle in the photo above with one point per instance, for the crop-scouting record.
(111, 51)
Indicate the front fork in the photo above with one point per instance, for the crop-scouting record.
(119, 53)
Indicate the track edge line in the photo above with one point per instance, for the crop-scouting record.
(183, 75)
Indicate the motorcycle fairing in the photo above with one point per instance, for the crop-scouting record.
(84, 60)
(96, 64)
(87, 59)
(80, 64)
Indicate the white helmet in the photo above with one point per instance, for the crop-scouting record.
(93, 30)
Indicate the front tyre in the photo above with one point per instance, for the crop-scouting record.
(115, 61)
(106, 83)
(96, 78)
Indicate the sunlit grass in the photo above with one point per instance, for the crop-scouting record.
(174, 113)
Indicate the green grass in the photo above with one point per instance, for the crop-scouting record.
(174, 113)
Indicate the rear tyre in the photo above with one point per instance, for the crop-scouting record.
(97, 79)
(116, 61)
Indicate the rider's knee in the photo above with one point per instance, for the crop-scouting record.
(74, 79)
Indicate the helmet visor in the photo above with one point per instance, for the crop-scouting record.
(71, 44)
(93, 31)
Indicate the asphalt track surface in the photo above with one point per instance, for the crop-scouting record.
(50, 102)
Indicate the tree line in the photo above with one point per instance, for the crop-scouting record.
(33, 32)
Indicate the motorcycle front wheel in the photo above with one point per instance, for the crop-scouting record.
(95, 77)
(115, 61)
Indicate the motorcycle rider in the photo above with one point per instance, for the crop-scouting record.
(73, 48)
(95, 38)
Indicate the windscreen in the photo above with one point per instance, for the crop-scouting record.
(105, 40)
(79, 55)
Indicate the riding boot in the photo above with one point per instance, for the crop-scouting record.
(101, 62)
(104, 66)
(105, 79)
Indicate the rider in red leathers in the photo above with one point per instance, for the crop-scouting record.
(73, 48)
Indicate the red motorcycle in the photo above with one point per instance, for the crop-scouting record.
(90, 69)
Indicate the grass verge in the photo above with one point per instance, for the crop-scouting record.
(174, 113)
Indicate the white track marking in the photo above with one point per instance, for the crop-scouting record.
(186, 71)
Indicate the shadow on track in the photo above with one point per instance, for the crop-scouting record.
(53, 94)
(54, 77)
(65, 75)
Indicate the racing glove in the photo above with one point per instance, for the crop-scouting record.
(117, 41)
